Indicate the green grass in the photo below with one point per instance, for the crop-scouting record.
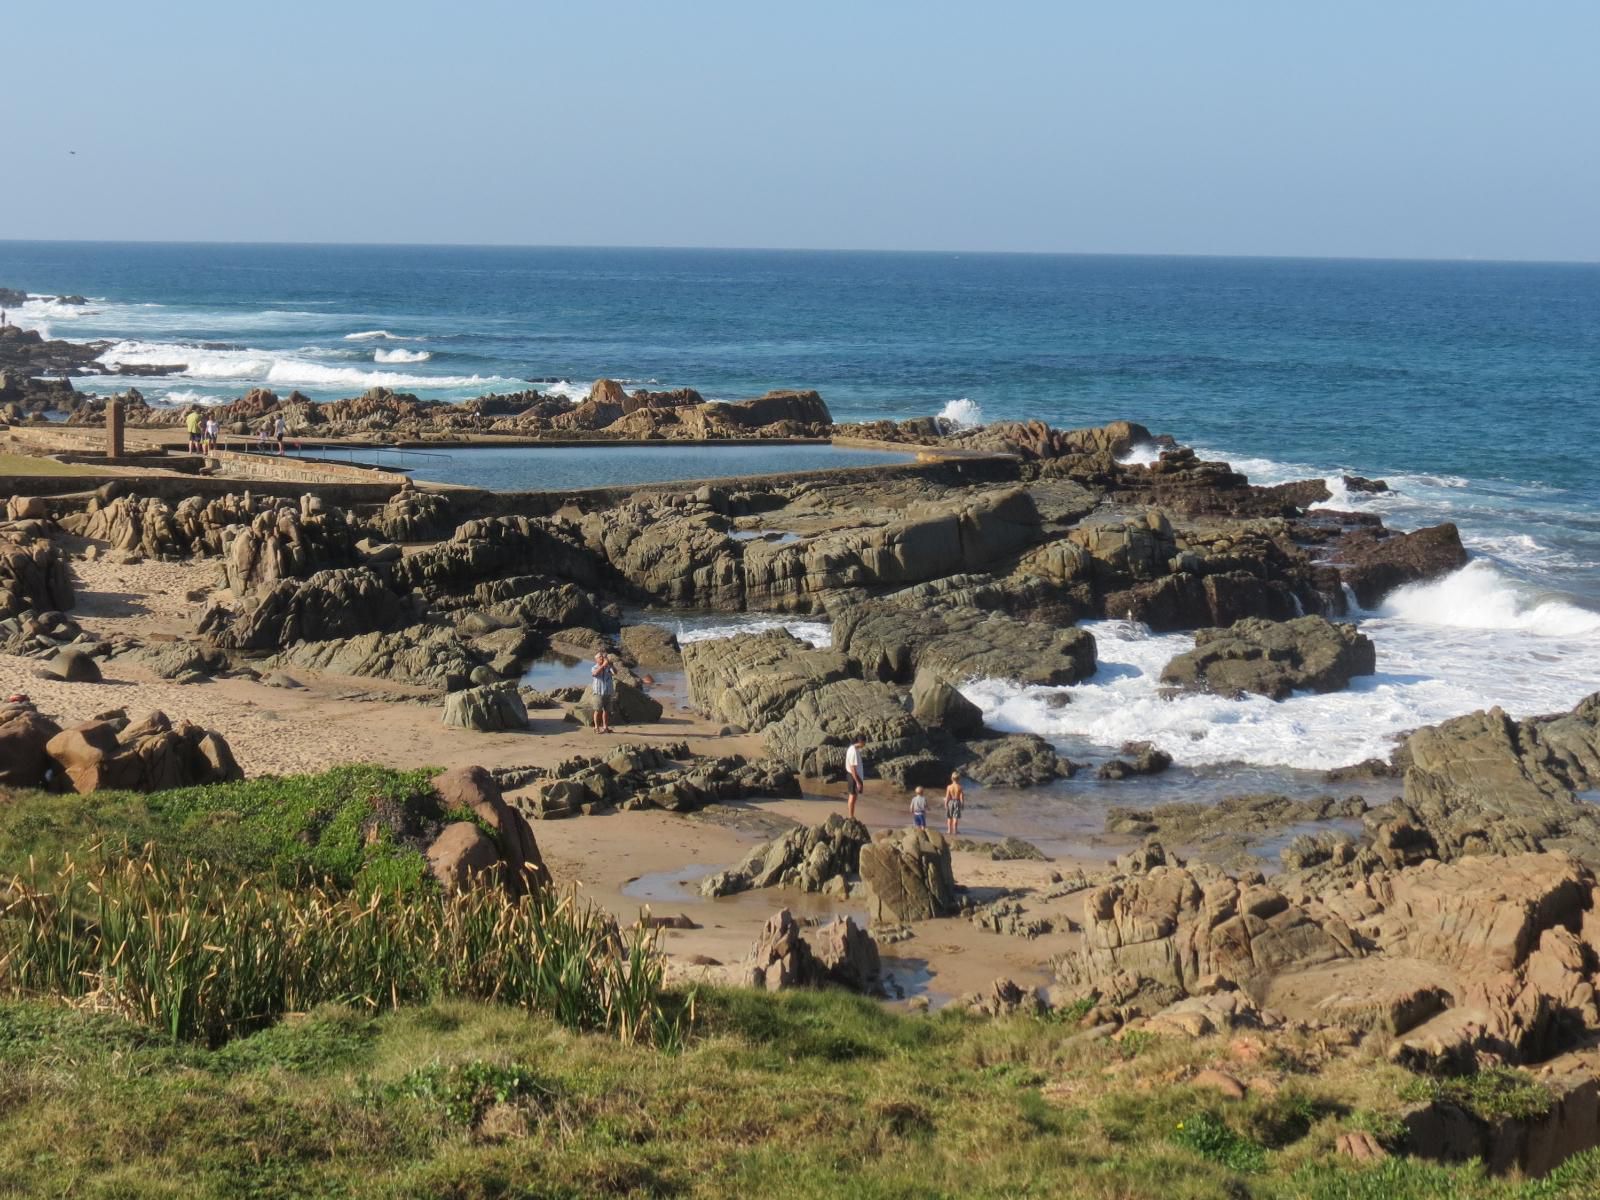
(1494, 1095)
(796, 1095)
(354, 826)
(27, 464)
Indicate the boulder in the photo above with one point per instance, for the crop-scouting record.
(24, 736)
(33, 575)
(1016, 760)
(151, 755)
(847, 955)
(462, 856)
(938, 705)
(908, 877)
(808, 858)
(418, 654)
(752, 680)
(1273, 659)
(489, 709)
(1375, 562)
(473, 790)
(819, 726)
(72, 665)
(651, 646)
(630, 705)
(780, 958)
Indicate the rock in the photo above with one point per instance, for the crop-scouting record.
(473, 790)
(24, 736)
(651, 646)
(552, 799)
(1356, 483)
(1015, 760)
(754, 679)
(417, 654)
(184, 662)
(33, 574)
(1272, 658)
(149, 756)
(74, 666)
(781, 958)
(630, 705)
(808, 858)
(938, 705)
(1375, 563)
(27, 508)
(1176, 925)
(893, 642)
(1486, 783)
(1145, 759)
(813, 734)
(489, 709)
(848, 956)
(463, 856)
(907, 876)
(327, 606)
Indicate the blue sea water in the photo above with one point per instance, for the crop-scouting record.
(1474, 388)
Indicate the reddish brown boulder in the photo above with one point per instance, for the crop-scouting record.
(1374, 563)
(23, 737)
(462, 856)
(473, 790)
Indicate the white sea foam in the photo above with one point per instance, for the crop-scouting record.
(269, 367)
(1472, 640)
(1143, 455)
(1479, 597)
(565, 389)
(374, 335)
(400, 356)
(702, 629)
(962, 413)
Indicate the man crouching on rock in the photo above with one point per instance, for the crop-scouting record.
(853, 780)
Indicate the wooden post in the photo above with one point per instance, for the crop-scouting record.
(114, 421)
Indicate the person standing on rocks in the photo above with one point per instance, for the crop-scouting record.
(605, 687)
(854, 782)
(954, 800)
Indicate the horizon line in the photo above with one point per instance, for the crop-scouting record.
(1152, 254)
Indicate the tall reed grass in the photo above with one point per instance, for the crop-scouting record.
(201, 957)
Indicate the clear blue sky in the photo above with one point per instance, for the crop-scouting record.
(1344, 127)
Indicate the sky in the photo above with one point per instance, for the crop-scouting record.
(1406, 128)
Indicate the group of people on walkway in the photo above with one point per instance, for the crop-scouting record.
(202, 432)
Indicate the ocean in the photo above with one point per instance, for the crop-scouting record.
(1473, 388)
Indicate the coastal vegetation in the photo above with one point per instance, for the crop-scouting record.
(209, 992)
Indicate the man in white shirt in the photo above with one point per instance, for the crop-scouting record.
(854, 781)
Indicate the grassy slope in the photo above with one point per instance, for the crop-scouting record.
(797, 1095)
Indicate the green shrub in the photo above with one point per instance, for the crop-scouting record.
(1209, 1136)
(462, 1092)
(1494, 1095)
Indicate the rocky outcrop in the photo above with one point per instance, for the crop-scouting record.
(819, 858)
(419, 654)
(286, 543)
(1375, 562)
(494, 842)
(1485, 783)
(1175, 926)
(752, 680)
(413, 516)
(783, 407)
(489, 709)
(1015, 760)
(495, 548)
(893, 642)
(1273, 658)
(33, 575)
(846, 955)
(151, 755)
(327, 606)
(907, 876)
(821, 722)
(635, 777)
